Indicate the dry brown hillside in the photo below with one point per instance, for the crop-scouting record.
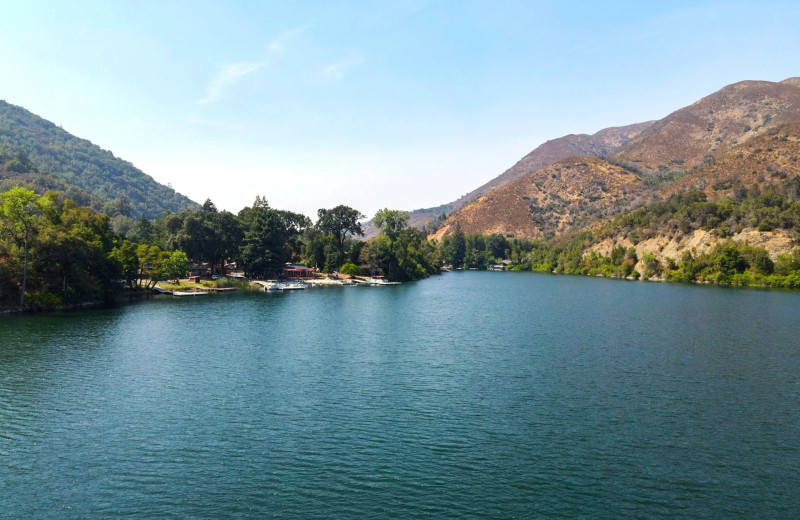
(696, 134)
(767, 159)
(604, 142)
(744, 134)
(572, 192)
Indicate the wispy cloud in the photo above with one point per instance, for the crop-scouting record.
(339, 69)
(232, 73)
(229, 74)
(278, 45)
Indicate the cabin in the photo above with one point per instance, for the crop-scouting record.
(298, 271)
(203, 269)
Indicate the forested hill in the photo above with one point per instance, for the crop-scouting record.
(43, 156)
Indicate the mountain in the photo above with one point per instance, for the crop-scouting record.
(604, 142)
(552, 200)
(36, 152)
(696, 134)
(742, 135)
(764, 160)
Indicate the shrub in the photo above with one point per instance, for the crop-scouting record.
(43, 300)
(349, 269)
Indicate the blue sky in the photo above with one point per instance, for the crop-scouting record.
(405, 104)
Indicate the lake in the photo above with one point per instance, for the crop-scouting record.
(467, 395)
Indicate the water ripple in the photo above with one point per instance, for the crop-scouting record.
(473, 395)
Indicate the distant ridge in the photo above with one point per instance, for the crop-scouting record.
(45, 156)
(694, 135)
(604, 142)
(743, 135)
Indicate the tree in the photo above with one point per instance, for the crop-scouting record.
(340, 221)
(498, 245)
(349, 269)
(728, 259)
(143, 231)
(391, 222)
(209, 206)
(459, 246)
(128, 261)
(70, 258)
(20, 208)
(270, 237)
(175, 266)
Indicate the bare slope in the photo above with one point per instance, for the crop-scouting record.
(696, 134)
(604, 142)
(552, 200)
(764, 160)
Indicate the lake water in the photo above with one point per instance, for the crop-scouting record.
(468, 395)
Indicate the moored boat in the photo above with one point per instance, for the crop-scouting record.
(293, 285)
(380, 280)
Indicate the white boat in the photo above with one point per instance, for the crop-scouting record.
(293, 285)
(189, 293)
(380, 280)
(271, 285)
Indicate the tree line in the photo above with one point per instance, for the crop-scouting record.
(54, 253)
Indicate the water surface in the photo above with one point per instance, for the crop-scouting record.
(468, 395)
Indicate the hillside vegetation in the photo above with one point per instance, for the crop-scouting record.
(36, 153)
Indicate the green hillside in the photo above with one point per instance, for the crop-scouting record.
(39, 154)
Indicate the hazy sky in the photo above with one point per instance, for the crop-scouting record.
(399, 104)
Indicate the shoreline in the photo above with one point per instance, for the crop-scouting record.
(129, 295)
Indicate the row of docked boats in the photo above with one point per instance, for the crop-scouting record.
(295, 285)
(284, 285)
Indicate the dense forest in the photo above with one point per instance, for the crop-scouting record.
(54, 253)
(42, 156)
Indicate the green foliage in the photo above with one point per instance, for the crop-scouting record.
(730, 263)
(349, 268)
(391, 222)
(398, 252)
(776, 207)
(271, 238)
(20, 208)
(55, 251)
(44, 157)
(176, 266)
(339, 222)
